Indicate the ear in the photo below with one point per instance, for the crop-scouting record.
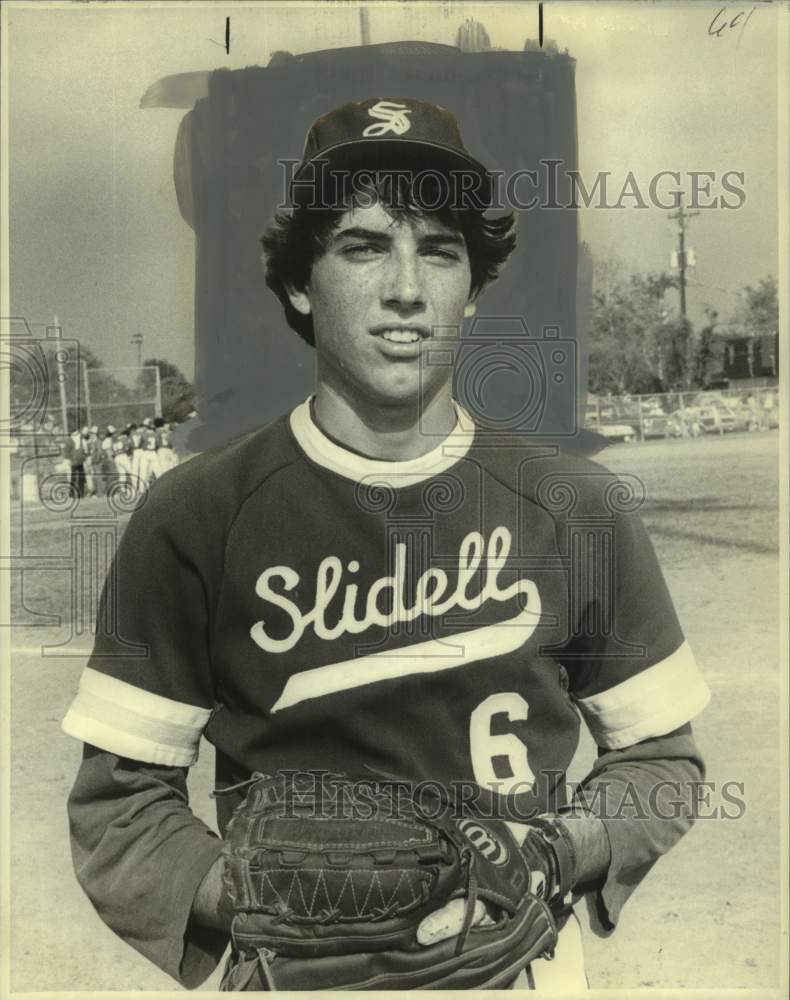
(300, 299)
(470, 308)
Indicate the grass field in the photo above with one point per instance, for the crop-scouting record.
(706, 917)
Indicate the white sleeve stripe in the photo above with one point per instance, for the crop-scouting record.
(98, 734)
(651, 703)
(134, 699)
(169, 733)
(657, 725)
(124, 719)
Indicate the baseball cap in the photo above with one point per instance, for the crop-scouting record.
(389, 132)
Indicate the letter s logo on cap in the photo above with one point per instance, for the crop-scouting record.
(392, 117)
(484, 841)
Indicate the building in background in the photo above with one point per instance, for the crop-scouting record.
(749, 361)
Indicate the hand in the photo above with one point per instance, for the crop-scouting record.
(211, 906)
(448, 921)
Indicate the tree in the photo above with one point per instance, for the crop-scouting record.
(707, 351)
(178, 392)
(635, 346)
(757, 313)
(472, 37)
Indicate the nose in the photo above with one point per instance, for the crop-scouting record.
(403, 289)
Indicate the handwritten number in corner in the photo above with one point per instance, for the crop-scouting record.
(722, 23)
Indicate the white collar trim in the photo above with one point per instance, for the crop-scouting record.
(321, 450)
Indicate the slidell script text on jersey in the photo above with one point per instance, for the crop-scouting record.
(429, 592)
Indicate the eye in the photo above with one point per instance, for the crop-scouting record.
(441, 253)
(361, 250)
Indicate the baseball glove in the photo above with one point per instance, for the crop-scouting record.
(329, 880)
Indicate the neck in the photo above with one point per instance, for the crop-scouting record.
(394, 432)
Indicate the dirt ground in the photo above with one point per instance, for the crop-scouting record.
(708, 914)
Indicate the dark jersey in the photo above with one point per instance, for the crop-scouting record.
(446, 618)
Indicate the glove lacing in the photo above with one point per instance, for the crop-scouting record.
(467, 856)
(255, 776)
(468, 859)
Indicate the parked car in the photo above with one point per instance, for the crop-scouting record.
(735, 414)
(771, 418)
(717, 419)
(605, 421)
(648, 419)
(626, 411)
(728, 414)
(655, 424)
(685, 422)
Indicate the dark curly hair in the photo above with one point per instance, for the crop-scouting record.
(298, 237)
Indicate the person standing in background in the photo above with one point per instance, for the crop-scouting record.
(165, 455)
(135, 454)
(89, 436)
(122, 459)
(106, 461)
(148, 469)
(76, 456)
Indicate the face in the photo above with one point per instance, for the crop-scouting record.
(379, 298)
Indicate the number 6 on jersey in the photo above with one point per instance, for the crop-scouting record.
(485, 747)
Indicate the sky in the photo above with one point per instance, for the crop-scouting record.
(96, 235)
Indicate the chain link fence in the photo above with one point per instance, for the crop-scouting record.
(683, 414)
(121, 396)
(105, 396)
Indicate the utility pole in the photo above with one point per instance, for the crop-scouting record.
(685, 258)
(138, 340)
(59, 358)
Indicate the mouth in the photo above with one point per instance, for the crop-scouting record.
(401, 334)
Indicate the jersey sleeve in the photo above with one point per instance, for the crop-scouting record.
(645, 798)
(140, 854)
(631, 672)
(147, 690)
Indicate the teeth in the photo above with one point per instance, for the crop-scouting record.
(401, 336)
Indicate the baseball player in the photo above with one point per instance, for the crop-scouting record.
(147, 468)
(92, 447)
(372, 582)
(77, 456)
(166, 457)
(135, 451)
